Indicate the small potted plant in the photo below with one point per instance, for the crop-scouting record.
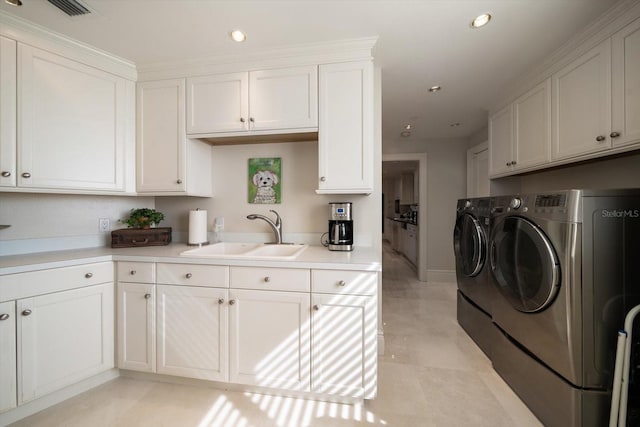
(140, 231)
(143, 218)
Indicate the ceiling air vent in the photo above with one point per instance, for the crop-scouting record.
(70, 7)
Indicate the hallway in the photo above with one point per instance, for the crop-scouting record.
(431, 374)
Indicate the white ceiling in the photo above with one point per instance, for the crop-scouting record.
(421, 43)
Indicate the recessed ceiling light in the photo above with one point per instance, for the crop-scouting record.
(434, 89)
(237, 36)
(481, 20)
(14, 2)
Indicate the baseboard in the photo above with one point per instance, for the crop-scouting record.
(441, 276)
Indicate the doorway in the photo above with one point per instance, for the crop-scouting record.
(404, 186)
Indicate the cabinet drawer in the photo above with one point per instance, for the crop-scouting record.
(214, 276)
(22, 285)
(136, 272)
(344, 282)
(280, 279)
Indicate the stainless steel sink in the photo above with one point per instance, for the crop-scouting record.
(236, 250)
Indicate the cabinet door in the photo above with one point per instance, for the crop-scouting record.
(626, 85)
(500, 141)
(285, 98)
(7, 112)
(136, 327)
(192, 330)
(161, 139)
(7, 356)
(344, 346)
(63, 338)
(532, 115)
(218, 103)
(582, 104)
(72, 124)
(345, 136)
(269, 339)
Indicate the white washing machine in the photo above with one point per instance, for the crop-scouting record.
(566, 267)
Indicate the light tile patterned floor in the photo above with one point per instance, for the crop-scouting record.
(432, 374)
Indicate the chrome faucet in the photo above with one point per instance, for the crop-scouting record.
(275, 226)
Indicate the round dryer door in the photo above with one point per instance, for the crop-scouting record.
(524, 264)
(470, 245)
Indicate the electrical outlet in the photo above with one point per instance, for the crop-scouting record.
(218, 223)
(103, 225)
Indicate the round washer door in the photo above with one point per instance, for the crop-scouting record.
(470, 245)
(524, 264)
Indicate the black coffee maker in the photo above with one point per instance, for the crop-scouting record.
(340, 236)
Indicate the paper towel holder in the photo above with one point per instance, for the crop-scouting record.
(199, 244)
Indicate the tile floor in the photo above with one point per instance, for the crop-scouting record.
(432, 374)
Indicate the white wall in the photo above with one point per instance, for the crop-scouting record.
(42, 222)
(446, 183)
(304, 213)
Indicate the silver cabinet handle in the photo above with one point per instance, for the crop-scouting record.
(132, 272)
(188, 275)
(342, 283)
(614, 134)
(147, 296)
(508, 163)
(316, 307)
(26, 175)
(513, 163)
(323, 179)
(251, 119)
(4, 316)
(600, 138)
(242, 120)
(6, 174)
(88, 275)
(221, 301)
(26, 312)
(232, 302)
(267, 279)
(179, 181)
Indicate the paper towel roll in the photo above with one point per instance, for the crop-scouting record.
(198, 227)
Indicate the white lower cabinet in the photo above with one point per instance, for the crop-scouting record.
(136, 326)
(63, 338)
(8, 386)
(269, 339)
(192, 332)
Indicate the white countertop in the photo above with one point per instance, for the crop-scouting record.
(312, 257)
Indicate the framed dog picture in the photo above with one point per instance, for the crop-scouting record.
(265, 180)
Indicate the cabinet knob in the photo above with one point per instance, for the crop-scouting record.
(4, 316)
(614, 134)
(600, 138)
(221, 301)
(342, 283)
(188, 275)
(251, 119)
(26, 312)
(147, 296)
(323, 179)
(232, 302)
(6, 174)
(508, 163)
(88, 275)
(179, 181)
(316, 307)
(513, 163)
(242, 120)
(26, 175)
(267, 279)
(132, 272)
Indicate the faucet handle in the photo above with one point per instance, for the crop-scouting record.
(278, 220)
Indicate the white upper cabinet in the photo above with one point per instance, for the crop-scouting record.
(167, 162)
(73, 121)
(345, 134)
(582, 104)
(626, 85)
(8, 130)
(501, 140)
(270, 101)
(520, 134)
